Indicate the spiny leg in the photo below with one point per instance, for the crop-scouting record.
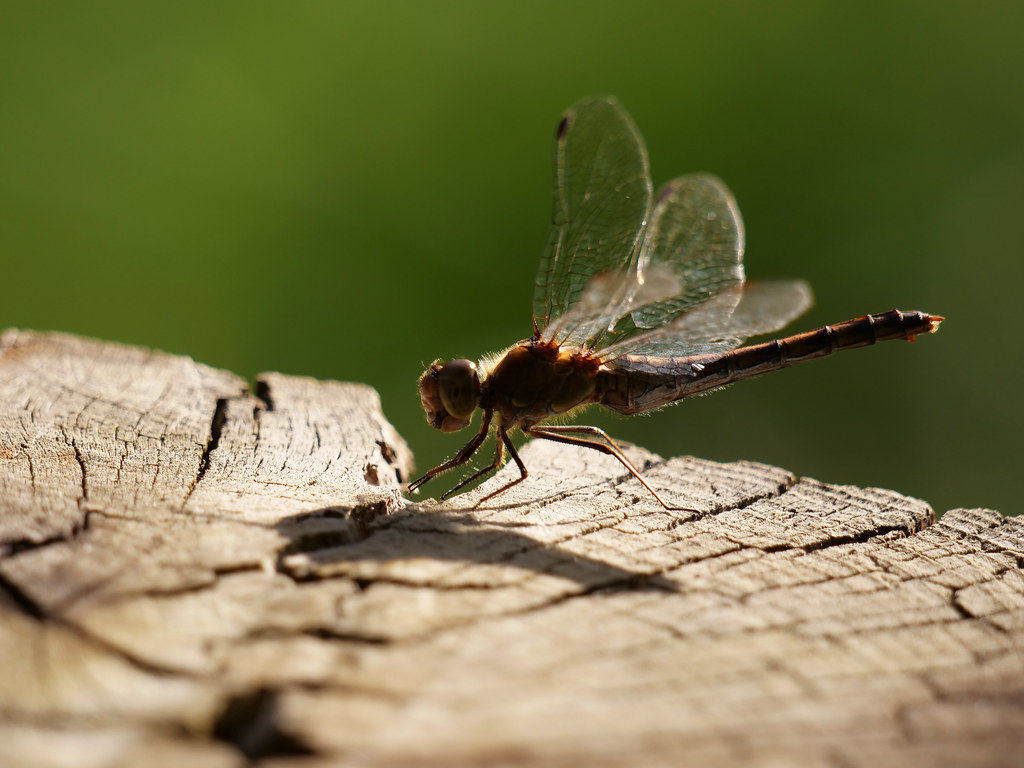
(460, 458)
(499, 454)
(583, 429)
(557, 434)
(523, 474)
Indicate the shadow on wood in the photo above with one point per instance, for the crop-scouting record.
(193, 573)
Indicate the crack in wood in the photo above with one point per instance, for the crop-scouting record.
(959, 607)
(262, 392)
(251, 722)
(17, 546)
(860, 537)
(216, 427)
(35, 610)
(81, 465)
(21, 600)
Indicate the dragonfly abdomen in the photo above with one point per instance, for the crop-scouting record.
(636, 384)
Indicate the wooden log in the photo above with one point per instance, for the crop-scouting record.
(193, 574)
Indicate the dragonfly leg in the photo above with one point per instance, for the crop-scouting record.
(581, 429)
(523, 474)
(460, 458)
(558, 434)
(499, 455)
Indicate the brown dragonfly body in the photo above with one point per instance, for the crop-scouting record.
(672, 379)
(634, 314)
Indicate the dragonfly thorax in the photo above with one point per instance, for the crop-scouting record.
(534, 381)
(450, 393)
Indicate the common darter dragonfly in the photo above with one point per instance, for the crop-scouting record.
(640, 300)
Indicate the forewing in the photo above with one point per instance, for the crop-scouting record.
(602, 198)
(717, 324)
(693, 252)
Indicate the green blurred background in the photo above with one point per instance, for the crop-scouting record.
(349, 191)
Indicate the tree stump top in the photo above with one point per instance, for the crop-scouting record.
(191, 573)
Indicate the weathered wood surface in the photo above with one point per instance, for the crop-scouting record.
(194, 575)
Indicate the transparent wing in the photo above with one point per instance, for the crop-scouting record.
(717, 324)
(693, 251)
(602, 198)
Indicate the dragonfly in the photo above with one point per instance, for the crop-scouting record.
(640, 301)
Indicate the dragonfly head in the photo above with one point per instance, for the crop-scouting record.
(450, 393)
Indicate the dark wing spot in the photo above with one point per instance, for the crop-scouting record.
(563, 126)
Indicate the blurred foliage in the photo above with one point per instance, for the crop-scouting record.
(351, 190)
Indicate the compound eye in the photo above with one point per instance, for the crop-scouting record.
(459, 388)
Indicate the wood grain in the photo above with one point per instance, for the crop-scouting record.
(192, 574)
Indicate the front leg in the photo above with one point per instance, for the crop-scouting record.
(460, 458)
(498, 456)
(523, 474)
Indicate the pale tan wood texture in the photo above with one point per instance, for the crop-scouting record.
(191, 574)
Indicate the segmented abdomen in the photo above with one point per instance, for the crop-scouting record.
(638, 383)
